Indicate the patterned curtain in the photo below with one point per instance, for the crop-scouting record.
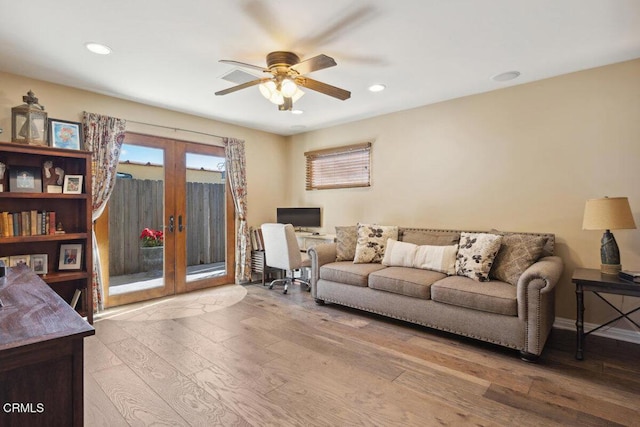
(103, 136)
(236, 173)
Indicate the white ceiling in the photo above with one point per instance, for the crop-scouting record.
(166, 53)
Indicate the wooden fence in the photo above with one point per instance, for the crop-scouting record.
(137, 204)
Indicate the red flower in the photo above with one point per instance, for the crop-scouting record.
(151, 238)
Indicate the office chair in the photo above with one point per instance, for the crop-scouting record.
(281, 251)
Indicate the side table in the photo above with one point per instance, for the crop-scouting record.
(592, 280)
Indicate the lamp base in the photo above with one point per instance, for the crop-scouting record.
(612, 269)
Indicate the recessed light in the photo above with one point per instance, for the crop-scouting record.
(98, 48)
(297, 112)
(503, 77)
(377, 88)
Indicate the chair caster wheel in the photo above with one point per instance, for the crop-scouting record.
(284, 292)
(270, 286)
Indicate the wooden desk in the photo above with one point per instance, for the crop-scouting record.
(41, 354)
(593, 280)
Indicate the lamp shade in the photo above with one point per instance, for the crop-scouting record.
(608, 213)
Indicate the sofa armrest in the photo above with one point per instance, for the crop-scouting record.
(320, 254)
(536, 300)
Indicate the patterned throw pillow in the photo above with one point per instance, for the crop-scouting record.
(346, 239)
(476, 254)
(517, 253)
(372, 241)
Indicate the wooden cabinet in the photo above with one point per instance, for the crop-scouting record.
(41, 354)
(73, 211)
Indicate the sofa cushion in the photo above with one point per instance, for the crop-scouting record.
(346, 238)
(493, 296)
(476, 254)
(411, 282)
(372, 241)
(516, 254)
(349, 273)
(433, 238)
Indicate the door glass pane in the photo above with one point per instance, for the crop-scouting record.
(136, 228)
(205, 217)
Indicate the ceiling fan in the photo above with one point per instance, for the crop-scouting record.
(287, 75)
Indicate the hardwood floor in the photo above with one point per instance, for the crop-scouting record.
(281, 360)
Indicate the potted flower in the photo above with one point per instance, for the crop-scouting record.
(151, 238)
(151, 242)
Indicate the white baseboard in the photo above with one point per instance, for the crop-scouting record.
(611, 332)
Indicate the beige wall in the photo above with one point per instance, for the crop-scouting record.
(523, 158)
(265, 152)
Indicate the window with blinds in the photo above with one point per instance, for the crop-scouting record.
(340, 167)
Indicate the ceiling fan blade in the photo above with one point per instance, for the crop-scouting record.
(287, 105)
(336, 92)
(243, 65)
(239, 87)
(314, 64)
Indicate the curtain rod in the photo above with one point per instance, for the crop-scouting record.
(176, 129)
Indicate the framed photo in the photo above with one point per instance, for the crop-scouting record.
(70, 256)
(39, 263)
(25, 179)
(64, 134)
(16, 260)
(72, 184)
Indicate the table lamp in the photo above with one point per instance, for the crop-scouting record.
(609, 213)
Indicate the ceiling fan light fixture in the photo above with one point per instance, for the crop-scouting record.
(288, 88)
(269, 90)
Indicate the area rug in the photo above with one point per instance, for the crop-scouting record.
(178, 306)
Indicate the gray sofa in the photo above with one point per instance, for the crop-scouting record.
(518, 315)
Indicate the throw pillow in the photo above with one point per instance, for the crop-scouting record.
(436, 258)
(399, 254)
(432, 238)
(517, 253)
(476, 254)
(372, 241)
(346, 238)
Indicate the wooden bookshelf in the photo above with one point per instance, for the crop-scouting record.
(72, 210)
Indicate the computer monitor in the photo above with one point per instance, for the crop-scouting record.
(299, 217)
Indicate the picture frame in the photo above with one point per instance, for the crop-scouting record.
(70, 257)
(65, 134)
(39, 263)
(72, 184)
(15, 260)
(25, 179)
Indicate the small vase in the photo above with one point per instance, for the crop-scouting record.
(152, 258)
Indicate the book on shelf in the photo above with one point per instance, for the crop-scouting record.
(256, 239)
(76, 297)
(629, 275)
(27, 223)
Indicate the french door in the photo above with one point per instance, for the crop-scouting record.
(175, 193)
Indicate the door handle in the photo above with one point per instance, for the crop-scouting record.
(171, 225)
(180, 228)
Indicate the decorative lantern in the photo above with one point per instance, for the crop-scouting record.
(29, 122)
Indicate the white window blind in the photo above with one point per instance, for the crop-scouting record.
(340, 167)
